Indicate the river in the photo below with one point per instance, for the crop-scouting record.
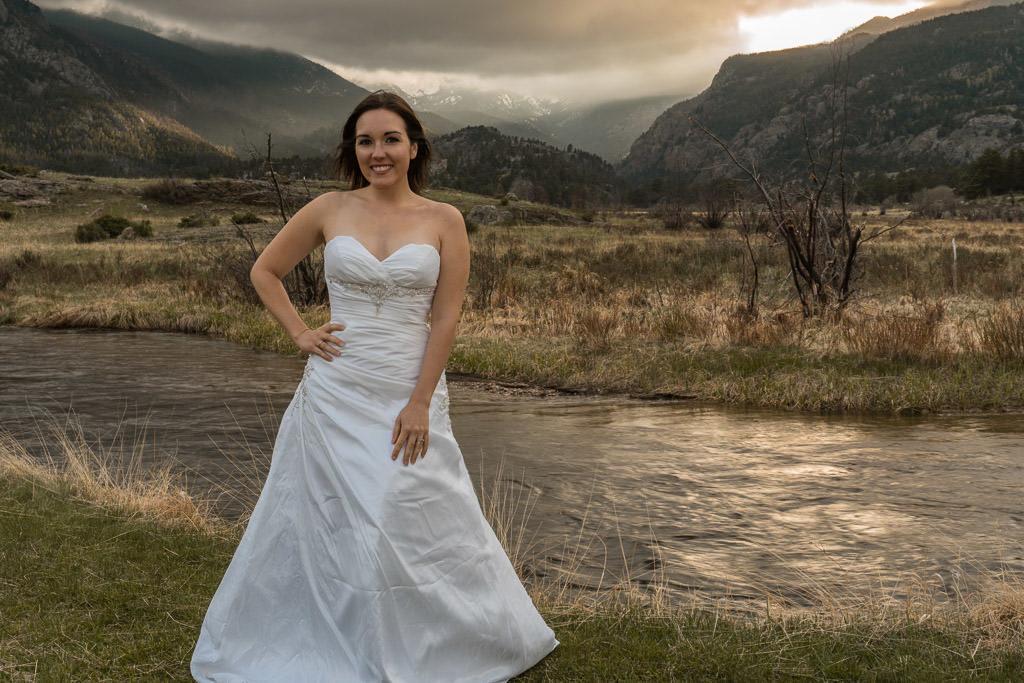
(706, 502)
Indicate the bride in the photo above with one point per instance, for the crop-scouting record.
(367, 557)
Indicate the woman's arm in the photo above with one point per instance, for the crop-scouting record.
(299, 236)
(412, 422)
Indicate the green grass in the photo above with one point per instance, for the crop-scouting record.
(633, 645)
(782, 378)
(90, 592)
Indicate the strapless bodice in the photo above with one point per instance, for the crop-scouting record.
(384, 304)
(398, 288)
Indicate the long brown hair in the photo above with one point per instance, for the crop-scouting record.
(346, 166)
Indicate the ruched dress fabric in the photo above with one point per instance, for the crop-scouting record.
(354, 567)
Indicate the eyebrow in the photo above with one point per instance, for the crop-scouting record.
(390, 132)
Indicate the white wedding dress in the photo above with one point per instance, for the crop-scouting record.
(354, 567)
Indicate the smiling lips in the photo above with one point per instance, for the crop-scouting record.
(381, 169)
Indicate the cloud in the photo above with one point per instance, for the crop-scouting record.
(589, 49)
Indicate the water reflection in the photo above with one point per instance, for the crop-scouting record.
(702, 499)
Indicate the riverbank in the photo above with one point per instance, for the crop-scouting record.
(616, 304)
(107, 574)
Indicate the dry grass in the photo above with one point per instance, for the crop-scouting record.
(624, 305)
(1001, 333)
(914, 336)
(597, 287)
(112, 476)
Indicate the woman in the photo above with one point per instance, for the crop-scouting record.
(367, 557)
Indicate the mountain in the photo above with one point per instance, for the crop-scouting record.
(499, 104)
(86, 94)
(230, 95)
(940, 91)
(511, 113)
(606, 128)
(61, 105)
(483, 160)
(609, 128)
(879, 25)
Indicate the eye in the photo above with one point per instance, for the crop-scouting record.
(362, 141)
(394, 138)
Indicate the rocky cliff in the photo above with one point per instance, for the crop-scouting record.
(938, 92)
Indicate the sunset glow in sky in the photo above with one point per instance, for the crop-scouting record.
(582, 50)
(814, 24)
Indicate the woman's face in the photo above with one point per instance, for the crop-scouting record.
(383, 149)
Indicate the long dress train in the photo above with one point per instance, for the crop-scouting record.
(354, 567)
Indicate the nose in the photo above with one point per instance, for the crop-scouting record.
(378, 150)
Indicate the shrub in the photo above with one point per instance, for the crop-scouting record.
(245, 218)
(17, 169)
(90, 232)
(108, 226)
(168, 191)
(713, 217)
(143, 228)
(198, 220)
(675, 218)
(935, 202)
(27, 259)
(114, 225)
(6, 214)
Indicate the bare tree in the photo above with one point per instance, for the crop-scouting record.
(750, 220)
(812, 218)
(305, 283)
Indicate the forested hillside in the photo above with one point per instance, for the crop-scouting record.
(56, 109)
(230, 95)
(483, 160)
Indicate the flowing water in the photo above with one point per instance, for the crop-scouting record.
(707, 502)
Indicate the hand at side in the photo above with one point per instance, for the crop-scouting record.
(411, 432)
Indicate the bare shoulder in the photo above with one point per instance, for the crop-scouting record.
(328, 201)
(447, 218)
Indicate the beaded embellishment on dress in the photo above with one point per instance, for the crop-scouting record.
(306, 372)
(379, 292)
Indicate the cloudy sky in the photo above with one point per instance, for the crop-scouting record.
(575, 49)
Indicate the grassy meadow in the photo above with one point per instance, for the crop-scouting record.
(603, 302)
(106, 573)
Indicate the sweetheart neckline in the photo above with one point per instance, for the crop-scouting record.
(386, 258)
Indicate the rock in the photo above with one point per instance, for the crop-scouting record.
(7, 176)
(127, 234)
(28, 188)
(32, 203)
(142, 207)
(510, 196)
(484, 214)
